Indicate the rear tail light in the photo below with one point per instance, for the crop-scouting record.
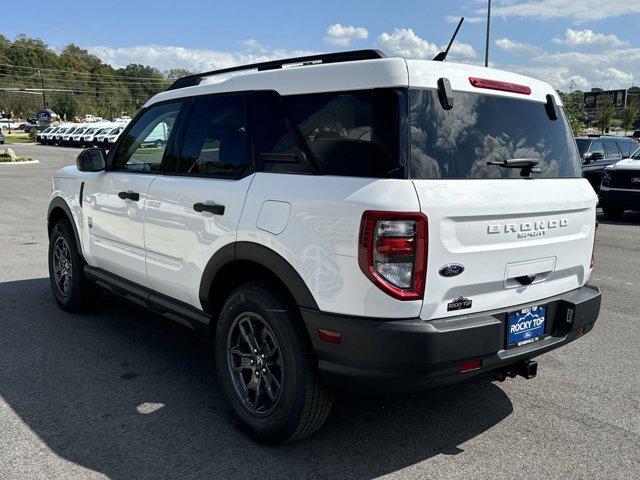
(496, 85)
(392, 252)
(593, 250)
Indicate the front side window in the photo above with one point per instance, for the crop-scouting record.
(597, 149)
(216, 141)
(458, 143)
(143, 147)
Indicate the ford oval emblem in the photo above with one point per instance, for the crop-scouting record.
(451, 270)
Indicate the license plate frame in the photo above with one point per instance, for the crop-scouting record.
(519, 333)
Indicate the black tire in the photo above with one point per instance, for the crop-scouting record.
(613, 213)
(302, 401)
(80, 292)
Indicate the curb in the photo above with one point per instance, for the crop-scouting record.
(28, 162)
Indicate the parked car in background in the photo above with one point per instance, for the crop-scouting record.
(1, 138)
(113, 136)
(600, 152)
(65, 138)
(56, 138)
(7, 124)
(47, 138)
(100, 139)
(620, 189)
(88, 136)
(76, 139)
(41, 136)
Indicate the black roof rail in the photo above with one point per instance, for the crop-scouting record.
(192, 80)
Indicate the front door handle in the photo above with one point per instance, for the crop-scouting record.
(129, 195)
(204, 207)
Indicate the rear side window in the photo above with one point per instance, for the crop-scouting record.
(625, 147)
(458, 143)
(216, 142)
(611, 150)
(350, 133)
(276, 142)
(597, 147)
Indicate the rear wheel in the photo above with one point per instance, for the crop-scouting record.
(613, 213)
(266, 367)
(71, 289)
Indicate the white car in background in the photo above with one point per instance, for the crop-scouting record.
(100, 139)
(113, 136)
(65, 138)
(41, 136)
(76, 138)
(89, 135)
(56, 138)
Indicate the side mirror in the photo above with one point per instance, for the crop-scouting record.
(92, 160)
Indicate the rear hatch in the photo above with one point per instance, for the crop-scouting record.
(498, 239)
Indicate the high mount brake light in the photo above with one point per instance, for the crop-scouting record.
(496, 85)
(392, 252)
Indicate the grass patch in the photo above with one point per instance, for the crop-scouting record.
(17, 138)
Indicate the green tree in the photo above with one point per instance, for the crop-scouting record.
(630, 114)
(65, 105)
(574, 110)
(604, 115)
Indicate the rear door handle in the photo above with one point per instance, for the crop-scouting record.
(204, 207)
(129, 195)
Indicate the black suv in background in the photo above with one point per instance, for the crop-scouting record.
(599, 152)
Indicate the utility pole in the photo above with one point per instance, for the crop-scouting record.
(44, 95)
(486, 50)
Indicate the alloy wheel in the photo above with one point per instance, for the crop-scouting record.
(254, 361)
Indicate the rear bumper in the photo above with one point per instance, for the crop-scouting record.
(386, 356)
(628, 200)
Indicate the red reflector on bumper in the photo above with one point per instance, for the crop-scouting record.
(329, 336)
(471, 365)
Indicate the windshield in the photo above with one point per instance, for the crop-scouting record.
(62, 130)
(47, 130)
(91, 130)
(636, 155)
(583, 145)
(458, 143)
(71, 130)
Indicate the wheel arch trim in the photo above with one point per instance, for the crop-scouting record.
(271, 260)
(58, 203)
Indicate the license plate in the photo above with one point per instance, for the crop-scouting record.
(526, 326)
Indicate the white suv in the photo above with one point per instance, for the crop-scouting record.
(340, 221)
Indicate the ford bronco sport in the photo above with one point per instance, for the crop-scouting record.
(339, 221)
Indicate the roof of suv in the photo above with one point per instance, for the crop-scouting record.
(360, 75)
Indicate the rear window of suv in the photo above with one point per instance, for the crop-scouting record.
(458, 143)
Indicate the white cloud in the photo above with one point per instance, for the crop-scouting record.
(516, 47)
(606, 69)
(164, 57)
(454, 19)
(590, 38)
(344, 35)
(405, 43)
(577, 10)
(253, 45)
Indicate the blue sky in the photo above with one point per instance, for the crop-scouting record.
(581, 43)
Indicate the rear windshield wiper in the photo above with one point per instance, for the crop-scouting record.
(526, 165)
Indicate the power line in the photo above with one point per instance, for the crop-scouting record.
(61, 71)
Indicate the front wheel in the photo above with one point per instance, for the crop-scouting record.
(266, 367)
(71, 289)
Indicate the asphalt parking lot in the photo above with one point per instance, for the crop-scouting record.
(119, 393)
